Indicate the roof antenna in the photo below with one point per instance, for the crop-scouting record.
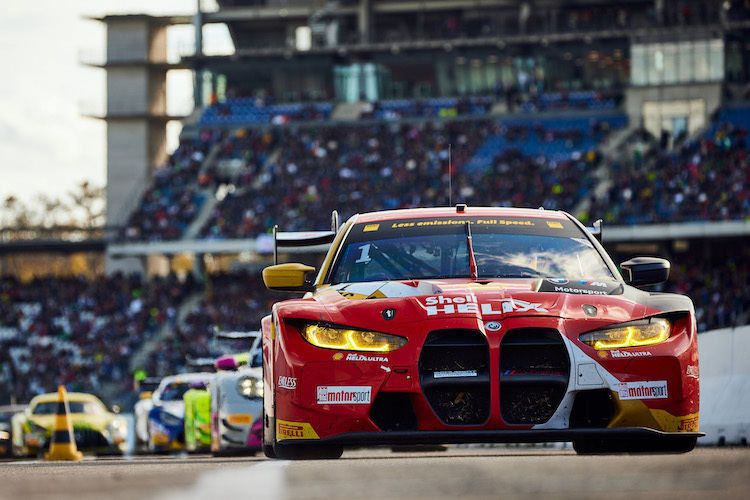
(450, 176)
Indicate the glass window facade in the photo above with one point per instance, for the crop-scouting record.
(681, 62)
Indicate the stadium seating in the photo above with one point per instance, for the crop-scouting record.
(703, 179)
(247, 110)
(78, 332)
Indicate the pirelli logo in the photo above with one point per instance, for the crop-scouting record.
(294, 430)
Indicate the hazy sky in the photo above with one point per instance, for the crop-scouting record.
(46, 146)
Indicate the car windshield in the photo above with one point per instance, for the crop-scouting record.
(438, 248)
(174, 391)
(86, 407)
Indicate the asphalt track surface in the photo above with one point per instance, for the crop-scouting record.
(458, 473)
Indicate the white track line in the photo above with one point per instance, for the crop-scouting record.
(264, 481)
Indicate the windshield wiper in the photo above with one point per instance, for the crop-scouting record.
(473, 271)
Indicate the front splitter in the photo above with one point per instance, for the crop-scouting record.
(392, 438)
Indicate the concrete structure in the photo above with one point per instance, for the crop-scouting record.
(136, 110)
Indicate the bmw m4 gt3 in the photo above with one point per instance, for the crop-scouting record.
(475, 325)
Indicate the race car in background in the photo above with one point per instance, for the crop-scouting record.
(166, 418)
(95, 428)
(475, 325)
(141, 409)
(6, 414)
(237, 399)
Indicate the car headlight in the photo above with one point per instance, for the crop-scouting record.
(250, 387)
(170, 420)
(633, 334)
(349, 339)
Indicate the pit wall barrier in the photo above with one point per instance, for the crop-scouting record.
(725, 386)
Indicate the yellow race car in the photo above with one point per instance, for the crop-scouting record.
(96, 429)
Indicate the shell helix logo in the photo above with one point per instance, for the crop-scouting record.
(440, 304)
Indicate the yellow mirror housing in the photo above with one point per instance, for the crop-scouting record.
(288, 277)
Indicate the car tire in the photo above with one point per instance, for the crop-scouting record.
(603, 446)
(308, 452)
(268, 448)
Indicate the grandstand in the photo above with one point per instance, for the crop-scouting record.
(635, 112)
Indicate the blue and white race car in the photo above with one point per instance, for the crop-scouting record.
(167, 415)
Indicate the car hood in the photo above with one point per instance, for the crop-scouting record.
(485, 300)
(93, 422)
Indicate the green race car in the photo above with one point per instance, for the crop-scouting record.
(197, 419)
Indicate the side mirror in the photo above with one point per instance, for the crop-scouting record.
(596, 230)
(288, 277)
(645, 270)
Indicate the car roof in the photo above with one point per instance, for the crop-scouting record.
(414, 213)
(71, 396)
(186, 378)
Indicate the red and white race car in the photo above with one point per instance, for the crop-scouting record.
(475, 325)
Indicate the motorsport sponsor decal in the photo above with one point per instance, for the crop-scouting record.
(388, 314)
(592, 283)
(440, 304)
(346, 395)
(629, 354)
(689, 423)
(287, 382)
(455, 373)
(643, 390)
(492, 326)
(371, 227)
(692, 371)
(580, 287)
(575, 286)
(294, 430)
(359, 357)
(598, 284)
(240, 419)
(455, 222)
(580, 291)
(554, 224)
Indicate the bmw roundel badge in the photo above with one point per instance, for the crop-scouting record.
(493, 326)
(389, 314)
